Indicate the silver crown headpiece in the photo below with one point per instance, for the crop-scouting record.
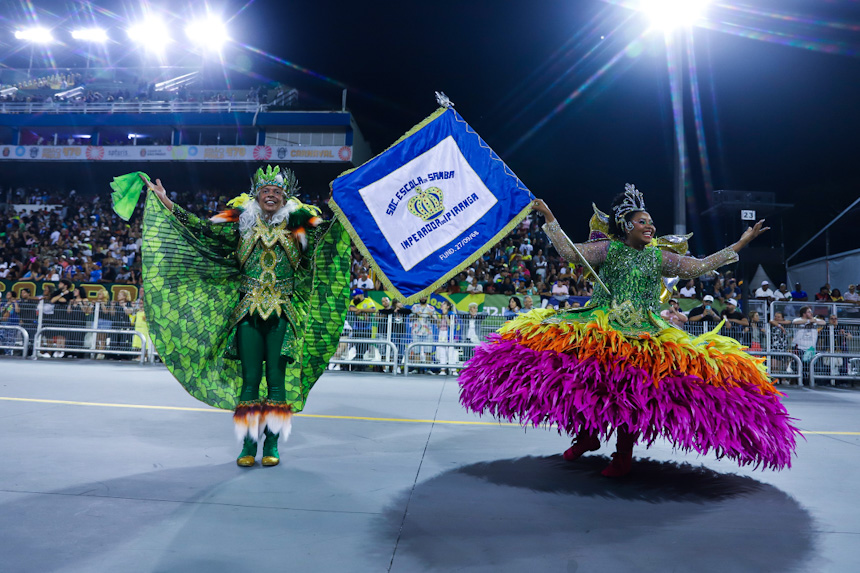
(633, 201)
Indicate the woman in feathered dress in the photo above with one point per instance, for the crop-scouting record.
(616, 366)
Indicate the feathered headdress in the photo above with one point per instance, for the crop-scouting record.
(301, 216)
(284, 180)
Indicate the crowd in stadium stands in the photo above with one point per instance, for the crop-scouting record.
(78, 238)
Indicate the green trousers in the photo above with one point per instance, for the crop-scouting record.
(260, 341)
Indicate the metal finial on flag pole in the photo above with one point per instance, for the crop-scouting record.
(443, 100)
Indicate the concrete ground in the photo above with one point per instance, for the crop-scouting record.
(113, 467)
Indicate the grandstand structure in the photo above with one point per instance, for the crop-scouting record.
(165, 115)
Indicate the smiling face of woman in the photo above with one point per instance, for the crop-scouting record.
(643, 230)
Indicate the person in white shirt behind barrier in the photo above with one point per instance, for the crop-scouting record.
(422, 328)
(447, 327)
(852, 295)
(806, 336)
(765, 293)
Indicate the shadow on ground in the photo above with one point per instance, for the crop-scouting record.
(542, 513)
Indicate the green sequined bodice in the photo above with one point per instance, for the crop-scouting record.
(631, 275)
(268, 256)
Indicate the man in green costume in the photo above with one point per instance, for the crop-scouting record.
(265, 283)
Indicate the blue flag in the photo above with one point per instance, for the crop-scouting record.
(430, 205)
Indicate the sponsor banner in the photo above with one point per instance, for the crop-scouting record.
(430, 204)
(37, 288)
(280, 153)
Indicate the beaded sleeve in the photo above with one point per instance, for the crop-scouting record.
(594, 252)
(675, 265)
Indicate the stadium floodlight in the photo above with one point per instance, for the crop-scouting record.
(668, 15)
(152, 33)
(36, 35)
(90, 35)
(210, 33)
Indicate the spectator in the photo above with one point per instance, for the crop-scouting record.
(29, 312)
(689, 290)
(122, 311)
(60, 300)
(544, 293)
(823, 294)
(473, 329)
(470, 276)
(453, 287)
(526, 248)
(779, 340)
(560, 293)
(10, 315)
(514, 308)
(756, 332)
(842, 337)
(528, 303)
(96, 273)
(731, 290)
(399, 317)
(765, 293)
(836, 295)
(852, 295)
(422, 330)
(704, 312)
(673, 314)
(539, 264)
(362, 282)
(735, 319)
(138, 320)
(806, 335)
(475, 287)
(446, 355)
(798, 294)
(362, 326)
(79, 312)
(782, 293)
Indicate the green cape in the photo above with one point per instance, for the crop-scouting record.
(191, 284)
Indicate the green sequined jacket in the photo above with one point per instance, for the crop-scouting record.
(632, 276)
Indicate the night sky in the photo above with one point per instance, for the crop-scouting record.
(776, 117)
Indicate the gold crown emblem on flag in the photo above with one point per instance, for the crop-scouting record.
(427, 204)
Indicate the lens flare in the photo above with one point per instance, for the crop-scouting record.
(36, 35)
(668, 15)
(574, 95)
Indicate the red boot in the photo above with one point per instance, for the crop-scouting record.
(585, 442)
(622, 459)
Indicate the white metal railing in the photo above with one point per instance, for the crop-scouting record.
(781, 372)
(38, 345)
(837, 362)
(447, 364)
(25, 338)
(131, 107)
(389, 359)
